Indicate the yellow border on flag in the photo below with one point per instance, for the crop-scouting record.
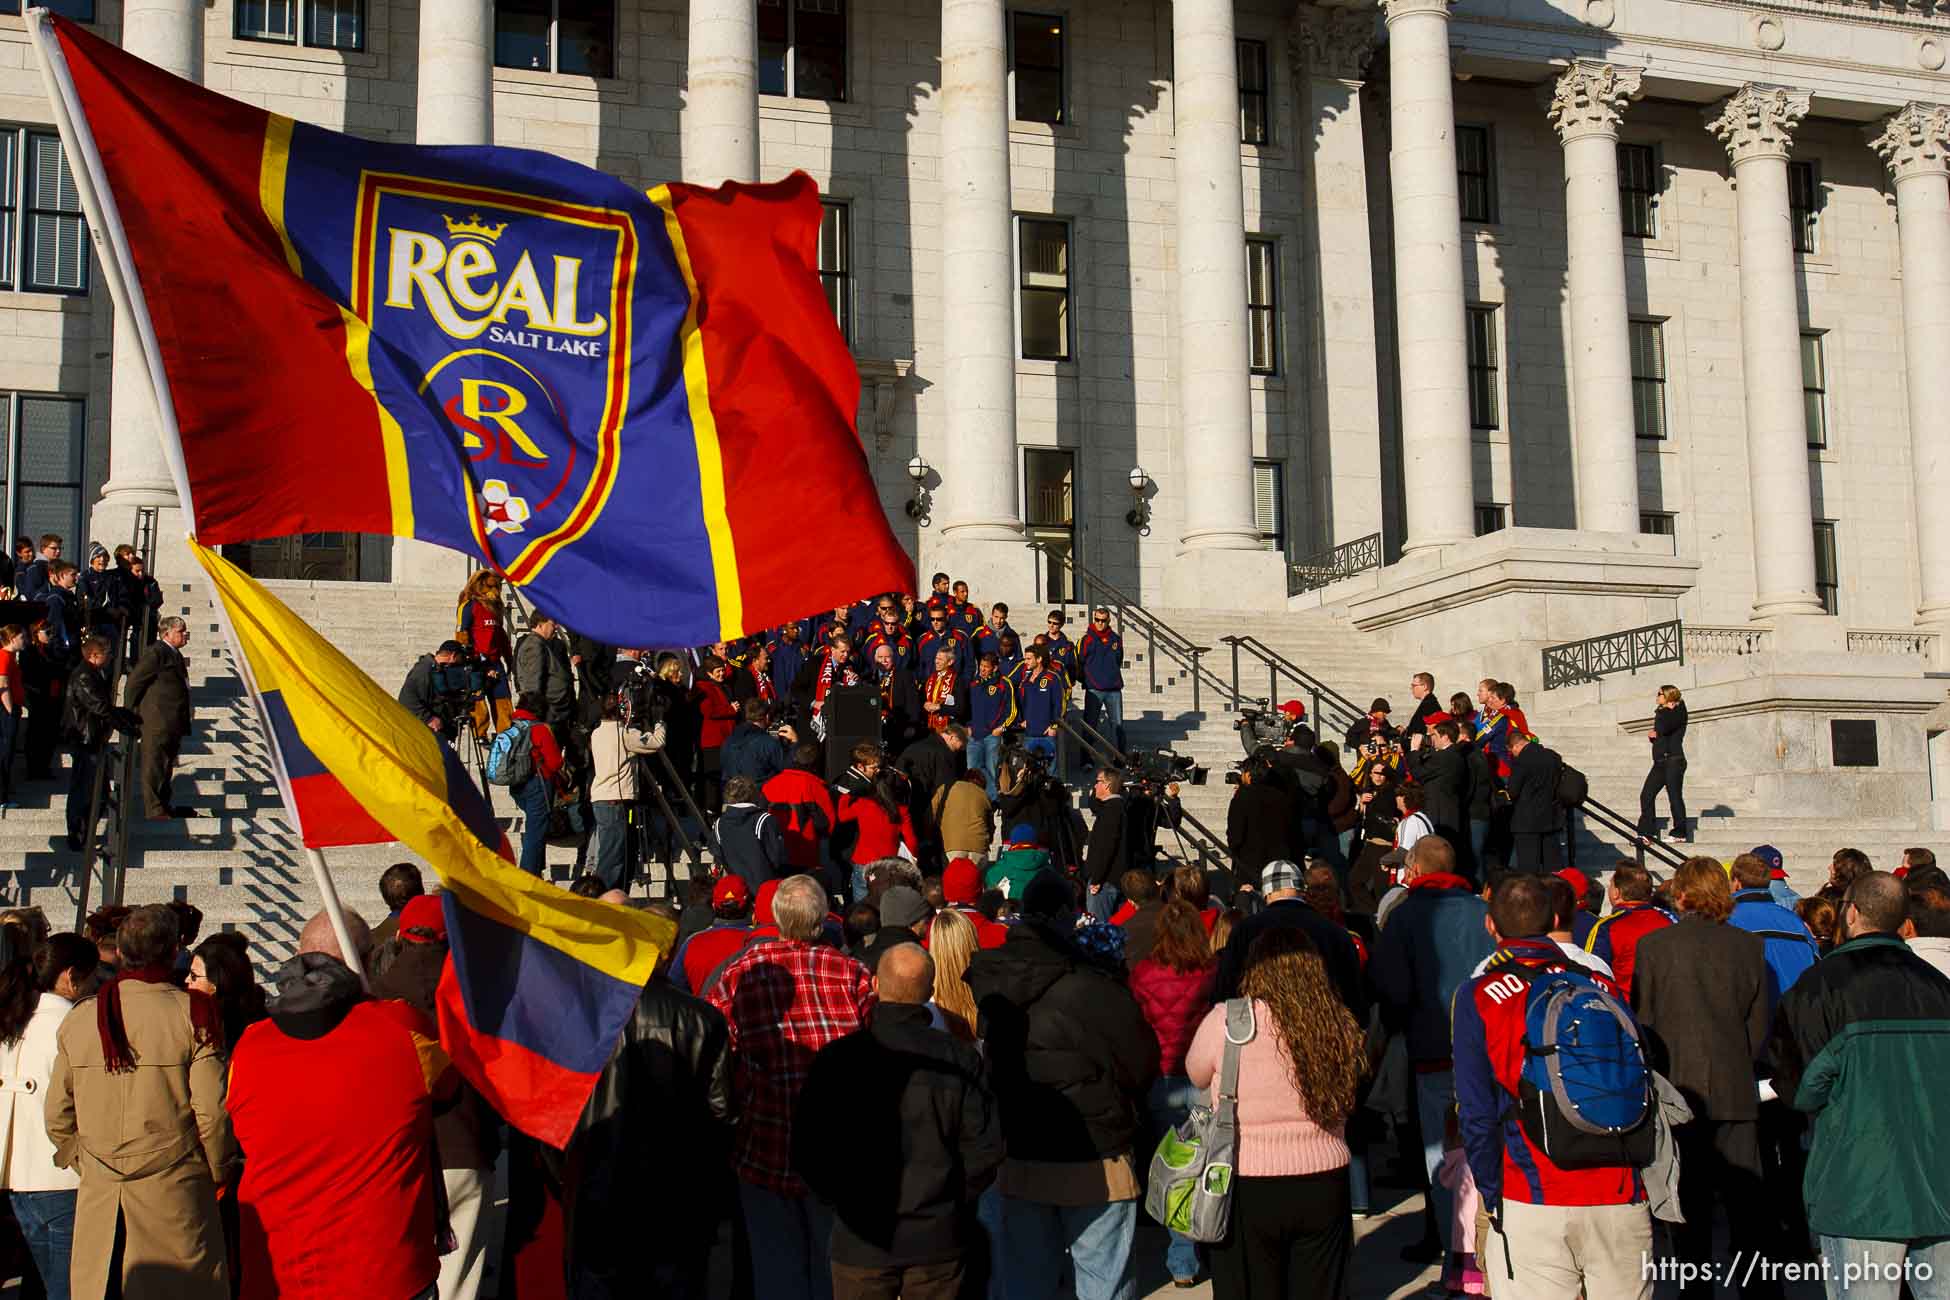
(710, 452)
(272, 175)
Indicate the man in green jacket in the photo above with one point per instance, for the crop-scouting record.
(1851, 1042)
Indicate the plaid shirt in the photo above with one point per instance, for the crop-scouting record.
(784, 1001)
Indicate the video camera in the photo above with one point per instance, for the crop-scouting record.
(1154, 769)
(643, 706)
(1258, 727)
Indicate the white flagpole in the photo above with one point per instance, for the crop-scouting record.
(125, 288)
(111, 242)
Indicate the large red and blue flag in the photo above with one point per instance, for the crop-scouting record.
(541, 981)
(633, 405)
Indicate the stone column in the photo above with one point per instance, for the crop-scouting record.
(1756, 124)
(1331, 48)
(721, 101)
(454, 104)
(1585, 106)
(1437, 461)
(1915, 144)
(169, 34)
(979, 506)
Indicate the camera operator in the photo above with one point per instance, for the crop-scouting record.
(754, 748)
(1259, 822)
(616, 781)
(1309, 781)
(426, 693)
(1027, 795)
(1372, 726)
(1106, 856)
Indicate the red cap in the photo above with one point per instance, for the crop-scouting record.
(961, 882)
(1437, 717)
(423, 913)
(732, 890)
(1580, 883)
(1294, 709)
(763, 912)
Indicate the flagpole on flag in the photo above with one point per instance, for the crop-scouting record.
(111, 244)
(329, 892)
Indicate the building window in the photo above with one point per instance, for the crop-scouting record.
(1654, 523)
(1828, 583)
(326, 24)
(1036, 67)
(48, 251)
(802, 48)
(1263, 305)
(1269, 503)
(1638, 190)
(1804, 205)
(1476, 173)
(1254, 94)
(82, 11)
(1814, 387)
(43, 464)
(1491, 518)
(1043, 256)
(568, 36)
(1482, 367)
(1648, 339)
(836, 263)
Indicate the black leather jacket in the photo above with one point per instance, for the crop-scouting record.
(90, 711)
(663, 1102)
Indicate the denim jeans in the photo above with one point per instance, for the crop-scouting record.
(1171, 1100)
(1104, 902)
(532, 797)
(1104, 710)
(984, 756)
(1097, 1238)
(790, 1236)
(1434, 1093)
(1859, 1269)
(612, 842)
(46, 1222)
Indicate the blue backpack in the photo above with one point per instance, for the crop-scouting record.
(1585, 1097)
(511, 755)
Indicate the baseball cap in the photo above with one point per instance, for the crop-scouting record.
(961, 881)
(903, 906)
(423, 913)
(1294, 709)
(1772, 857)
(1022, 833)
(1579, 882)
(1279, 874)
(762, 909)
(732, 891)
(450, 648)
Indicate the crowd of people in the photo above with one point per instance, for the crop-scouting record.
(923, 1025)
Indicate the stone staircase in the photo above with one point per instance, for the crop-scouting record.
(238, 860)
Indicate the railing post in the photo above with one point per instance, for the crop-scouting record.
(1235, 672)
(1272, 685)
(1195, 700)
(1315, 706)
(1150, 653)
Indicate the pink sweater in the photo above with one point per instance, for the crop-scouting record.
(1276, 1139)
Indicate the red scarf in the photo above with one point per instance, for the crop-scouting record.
(118, 1057)
(1440, 880)
(940, 686)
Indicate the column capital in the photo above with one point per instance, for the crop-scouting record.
(1589, 98)
(1333, 41)
(1758, 121)
(1913, 141)
(1404, 8)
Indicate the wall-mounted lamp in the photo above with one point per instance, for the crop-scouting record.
(1139, 515)
(918, 470)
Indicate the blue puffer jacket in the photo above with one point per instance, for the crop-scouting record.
(1791, 949)
(1433, 940)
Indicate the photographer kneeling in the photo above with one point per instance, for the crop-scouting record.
(435, 695)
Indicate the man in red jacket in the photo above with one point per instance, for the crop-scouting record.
(961, 886)
(333, 1099)
(1633, 915)
(803, 803)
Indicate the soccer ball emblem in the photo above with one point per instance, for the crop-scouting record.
(503, 511)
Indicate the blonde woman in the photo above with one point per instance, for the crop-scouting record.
(1668, 737)
(1292, 1230)
(481, 625)
(952, 941)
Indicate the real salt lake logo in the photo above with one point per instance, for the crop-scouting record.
(526, 304)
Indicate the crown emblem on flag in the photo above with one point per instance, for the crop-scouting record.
(473, 225)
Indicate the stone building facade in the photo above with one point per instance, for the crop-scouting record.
(1657, 289)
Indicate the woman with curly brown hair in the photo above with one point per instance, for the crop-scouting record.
(481, 625)
(1292, 1230)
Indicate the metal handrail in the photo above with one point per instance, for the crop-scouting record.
(1613, 820)
(1575, 663)
(1323, 568)
(1278, 665)
(1158, 634)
